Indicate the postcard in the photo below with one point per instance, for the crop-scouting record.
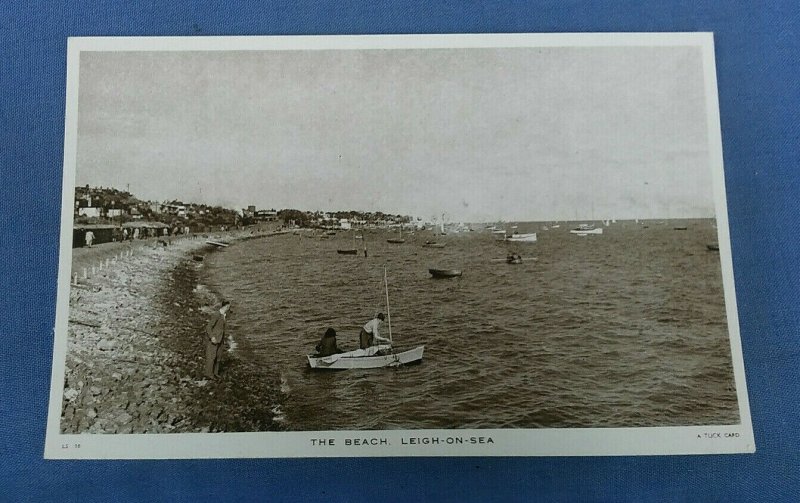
(404, 245)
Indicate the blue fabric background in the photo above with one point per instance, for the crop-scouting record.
(757, 65)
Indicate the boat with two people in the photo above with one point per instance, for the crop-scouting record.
(433, 244)
(371, 357)
(514, 258)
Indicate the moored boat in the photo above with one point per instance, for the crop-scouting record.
(433, 244)
(522, 238)
(445, 273)
(586, 229)
(398, 240)
(713, 246)
(350, 251)
(369, 358)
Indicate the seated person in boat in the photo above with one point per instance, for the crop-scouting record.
(327, 345)
(370, 332)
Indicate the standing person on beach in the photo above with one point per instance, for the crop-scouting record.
(215, 336)
(89, 238)
(370, 332)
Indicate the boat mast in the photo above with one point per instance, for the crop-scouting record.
(388, 314)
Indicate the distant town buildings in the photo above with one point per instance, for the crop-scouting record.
(266, 216)
(101, 205)
(108, 206)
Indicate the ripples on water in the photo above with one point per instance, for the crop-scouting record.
(623, 329)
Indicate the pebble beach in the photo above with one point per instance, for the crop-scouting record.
(134, 360)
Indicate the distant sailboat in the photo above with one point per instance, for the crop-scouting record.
(349, 251)
(399, 240)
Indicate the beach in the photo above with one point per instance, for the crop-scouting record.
(135, 354)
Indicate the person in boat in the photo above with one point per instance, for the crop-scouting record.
(513, 257)
(327, 345)
(370, 333)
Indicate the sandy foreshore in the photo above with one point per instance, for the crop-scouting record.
(135, 348)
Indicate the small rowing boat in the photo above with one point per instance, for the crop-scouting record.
(514, 259)
(586, 229)
(349, 251)
(433, 244)
(517, 260)
(445, 273)
(522, 238)
(221, 244)
(713, 246)
(372, 357)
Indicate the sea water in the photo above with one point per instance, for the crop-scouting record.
(627, 328)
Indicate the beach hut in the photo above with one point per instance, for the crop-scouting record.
(103, 233)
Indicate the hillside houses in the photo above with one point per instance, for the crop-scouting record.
(99, 205)
(109, 206)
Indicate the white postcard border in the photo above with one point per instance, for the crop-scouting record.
(712, 439)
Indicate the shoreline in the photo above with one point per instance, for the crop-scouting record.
(135, 349)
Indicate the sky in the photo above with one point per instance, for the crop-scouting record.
(477, 135)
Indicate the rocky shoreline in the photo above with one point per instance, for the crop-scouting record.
(135, 353)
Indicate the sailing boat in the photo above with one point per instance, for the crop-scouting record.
(399, 240)
(372, 357)
(349, 251)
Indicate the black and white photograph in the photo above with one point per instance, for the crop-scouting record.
(395, 246)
